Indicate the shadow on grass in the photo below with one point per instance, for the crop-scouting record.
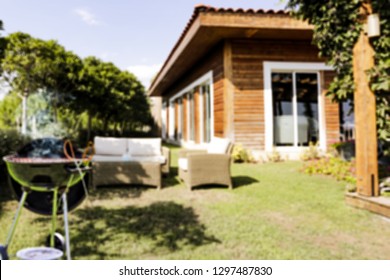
(171, 180)
(242, 181)
(118, 191)
(166, 225)
(238, 182)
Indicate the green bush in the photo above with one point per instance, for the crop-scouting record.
(312, 153)
(336, 167)
(11, 141)
(274, 156)
(240, 154)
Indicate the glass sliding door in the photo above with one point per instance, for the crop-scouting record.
(282, 95)
(206, 114)
(180, 119)
(295, 108)
(307, 108)
(176, 119)
(191, 115)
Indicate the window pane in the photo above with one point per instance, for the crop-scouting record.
(207, 114)
(192, 116)
(282, 92)
(347, 121)
(307, 108)
(176, 119)
(181, 118)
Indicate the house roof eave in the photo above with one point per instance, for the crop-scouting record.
(206, 29)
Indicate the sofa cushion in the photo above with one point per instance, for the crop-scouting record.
(157, 159)
(218, 146)
(144, 146)
(126, 157)
(110, 146)
(183, 164)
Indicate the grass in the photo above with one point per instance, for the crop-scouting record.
(274, 212)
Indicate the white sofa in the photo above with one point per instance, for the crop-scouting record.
(119, 161)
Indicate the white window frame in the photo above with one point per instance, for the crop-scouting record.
(207, 78)
(201, 125)
(171, 120)
(301, 67)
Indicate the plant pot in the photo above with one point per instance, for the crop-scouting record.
(347, 151)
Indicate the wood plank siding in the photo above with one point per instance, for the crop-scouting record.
(332, 114)
(248, 57)
(238, 88)
(212, 61)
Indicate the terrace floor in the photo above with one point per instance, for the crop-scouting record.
(274, 212)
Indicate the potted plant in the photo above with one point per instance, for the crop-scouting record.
(346, 149)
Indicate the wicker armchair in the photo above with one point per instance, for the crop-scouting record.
(207, 167)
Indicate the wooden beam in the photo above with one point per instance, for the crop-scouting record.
(365, 120)
(379, 205)
(270, 21)
(228, 96)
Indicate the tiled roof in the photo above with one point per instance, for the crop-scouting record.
(204, 8)
(209, 9)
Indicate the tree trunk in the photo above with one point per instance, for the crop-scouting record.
(105, 124)
(55, 107)
(89, 125)
(24, 114)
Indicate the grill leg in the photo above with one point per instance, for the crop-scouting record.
(54, 217)
(16, 218)
(66, 225)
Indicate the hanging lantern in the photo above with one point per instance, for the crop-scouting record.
(373, 25)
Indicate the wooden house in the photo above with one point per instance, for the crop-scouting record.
(252, 76)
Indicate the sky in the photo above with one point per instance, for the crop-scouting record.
(136, 35)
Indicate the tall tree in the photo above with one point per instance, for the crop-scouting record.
(112, 96)
(23, 67)
(62, 79)
(2, 45)
(9, 115)
(30, 64)
(336, 30)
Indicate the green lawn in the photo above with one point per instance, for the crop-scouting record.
(274, 212)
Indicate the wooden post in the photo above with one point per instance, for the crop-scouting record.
(365, 119)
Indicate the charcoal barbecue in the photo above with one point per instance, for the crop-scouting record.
(44, 174)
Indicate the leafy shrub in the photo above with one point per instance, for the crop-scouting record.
(345, 150)
(11, 141)
(274, 156)
(336, 167)
(312, 153)
(240, 154)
